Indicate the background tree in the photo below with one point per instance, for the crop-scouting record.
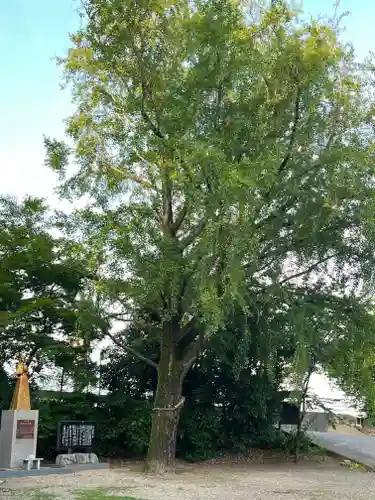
(41, 279)
(5, 389)
(219, 155)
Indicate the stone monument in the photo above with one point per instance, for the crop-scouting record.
(19, 424)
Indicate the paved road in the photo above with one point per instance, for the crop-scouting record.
(358, 448)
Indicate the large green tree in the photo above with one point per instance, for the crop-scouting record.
(223, 158)
(42, 279)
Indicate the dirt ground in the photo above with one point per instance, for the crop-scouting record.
(306, 481)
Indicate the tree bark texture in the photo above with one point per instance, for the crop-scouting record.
(166, 412)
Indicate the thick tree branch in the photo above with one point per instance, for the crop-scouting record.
(31, 356)
(288, 204)
(192, 352)
(251, 270)
(181, 295)
(292, 139)
(280, 252)
(146, 91)
(187, 328)
(194, 233)
(36, 348)
(132, 351)
(119, 317)
(220, 92)
(133, 177)
(180, 218)
(222, 261)
(276, 213)
(308, 270)
(334, 132)
(167, 218)
(148, 120)
(145, 88)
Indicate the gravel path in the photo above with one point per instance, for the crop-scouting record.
(210, 482)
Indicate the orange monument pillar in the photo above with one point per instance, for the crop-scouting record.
(21, 396)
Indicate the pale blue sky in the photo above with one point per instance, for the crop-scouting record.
(32, 32)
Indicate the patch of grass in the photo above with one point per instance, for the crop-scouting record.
(358, 467)
(99, 494)
(355, 466)
(41, 495)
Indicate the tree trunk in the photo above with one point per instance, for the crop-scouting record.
(297, 446)
(62, 380)
(166, 413)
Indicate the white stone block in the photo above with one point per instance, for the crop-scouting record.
(76, 458)
(18, 437)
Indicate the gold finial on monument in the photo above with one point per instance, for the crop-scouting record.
(21, 396)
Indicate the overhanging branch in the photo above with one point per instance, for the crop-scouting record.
(187, 328)
(192, 352)
(292, 139)
(180, 219)
(194, 233)
(308, 270)
(31, 356)
(119, 317)
(145, 88)
(132, 351)
(148, 120)
(146, 91)
(133, 177)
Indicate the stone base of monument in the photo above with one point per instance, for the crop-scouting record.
(18, 437)
(76, 459)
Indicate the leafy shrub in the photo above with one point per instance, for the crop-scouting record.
(122, 424)
(200, 433)
(74, 406)
(127, 431)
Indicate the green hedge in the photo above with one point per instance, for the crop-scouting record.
(123, 427)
